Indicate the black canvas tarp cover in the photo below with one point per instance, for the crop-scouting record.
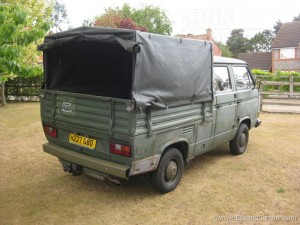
(165, 71)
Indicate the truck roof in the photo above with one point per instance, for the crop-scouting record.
(218, 59)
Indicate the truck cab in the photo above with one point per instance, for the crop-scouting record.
(236, 98)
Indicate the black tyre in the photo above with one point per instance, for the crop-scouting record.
(238, 145)
(169, 171)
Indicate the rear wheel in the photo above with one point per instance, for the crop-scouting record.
(169, 172)
(239, 144)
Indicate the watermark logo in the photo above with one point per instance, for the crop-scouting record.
(209, 17)
(196, 21)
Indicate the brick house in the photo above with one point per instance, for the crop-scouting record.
(206, 37)
(286, 48)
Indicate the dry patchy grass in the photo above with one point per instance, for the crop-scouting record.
(264, 181)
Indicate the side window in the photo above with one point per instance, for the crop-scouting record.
(242, 78)
(221, 79)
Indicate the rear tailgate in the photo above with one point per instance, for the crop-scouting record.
(94, 118)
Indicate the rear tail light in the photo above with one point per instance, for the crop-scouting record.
(50, 131)
(120, 149)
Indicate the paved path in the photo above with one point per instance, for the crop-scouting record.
(281, 105)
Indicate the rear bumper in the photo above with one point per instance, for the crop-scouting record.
(103, 166)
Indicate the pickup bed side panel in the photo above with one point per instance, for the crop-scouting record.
(168, 127)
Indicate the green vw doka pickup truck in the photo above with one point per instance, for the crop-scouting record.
(117, 103)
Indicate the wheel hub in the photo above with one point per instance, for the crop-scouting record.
(242, 140)
(171, 171)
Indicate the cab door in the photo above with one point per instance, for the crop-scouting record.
(225, 105)
(247, 95)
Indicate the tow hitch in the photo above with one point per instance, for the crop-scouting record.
(71, 168)
(76, 170)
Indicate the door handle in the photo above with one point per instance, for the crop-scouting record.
(240, 101)
(219, 106)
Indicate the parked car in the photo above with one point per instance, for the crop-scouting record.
(117, 103)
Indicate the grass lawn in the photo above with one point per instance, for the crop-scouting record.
(216, 188)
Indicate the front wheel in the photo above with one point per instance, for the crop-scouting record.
(169, 172)
(238, 145)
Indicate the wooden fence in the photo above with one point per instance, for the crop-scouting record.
(276, 99)
(281, 101)
(23, 89)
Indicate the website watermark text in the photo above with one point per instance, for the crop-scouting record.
(221, 218)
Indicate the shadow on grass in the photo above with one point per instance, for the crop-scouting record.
(61, 186)
(209, 158)
(140, 185)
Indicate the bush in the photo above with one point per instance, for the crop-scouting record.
(278, 76)
(260, 72)
(287, 73)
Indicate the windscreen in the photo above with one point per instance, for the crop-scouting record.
(94, 68)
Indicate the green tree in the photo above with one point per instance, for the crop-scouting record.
(262, 41)
(22, 24)
(225, 50)
(59, 15)
(150, 18)
(87, 22)
(296, 18)
(277, 26)
(237, 43)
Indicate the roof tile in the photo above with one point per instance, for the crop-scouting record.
(257, 60)
(288, 35)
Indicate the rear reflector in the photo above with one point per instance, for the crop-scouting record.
(50, 131)
(120, 149)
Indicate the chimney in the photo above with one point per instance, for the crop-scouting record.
(209, 34)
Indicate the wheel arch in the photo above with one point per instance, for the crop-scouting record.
(246, 120)
(183, 147)
(181, 144)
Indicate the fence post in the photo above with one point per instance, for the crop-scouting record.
(291, 86)
(260, 96)
(2, 93)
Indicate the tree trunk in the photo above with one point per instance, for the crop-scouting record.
(3, 100)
